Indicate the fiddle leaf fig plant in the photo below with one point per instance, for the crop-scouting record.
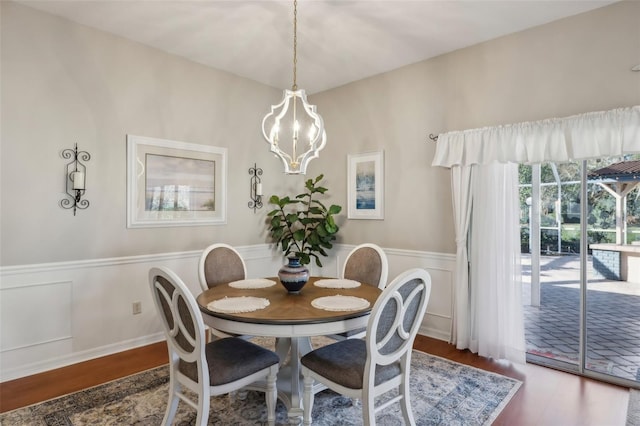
(303, 227)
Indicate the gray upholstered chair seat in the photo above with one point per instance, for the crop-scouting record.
(231, 359)
(344, 363)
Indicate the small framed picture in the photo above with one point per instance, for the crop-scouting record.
(365, 192)
(171, 183)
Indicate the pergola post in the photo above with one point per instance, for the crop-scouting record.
(619, 190)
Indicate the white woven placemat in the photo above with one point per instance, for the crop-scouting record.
(340, 303)
(231, 305)
(252, 283)
(337, 283)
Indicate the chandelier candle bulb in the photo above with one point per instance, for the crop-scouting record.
(259, 189)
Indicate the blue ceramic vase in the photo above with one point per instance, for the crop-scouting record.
(293, 275)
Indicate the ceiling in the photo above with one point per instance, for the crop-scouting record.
(338, 41)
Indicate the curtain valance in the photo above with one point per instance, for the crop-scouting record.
(583, 136)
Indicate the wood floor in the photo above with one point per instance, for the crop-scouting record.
(546, 397)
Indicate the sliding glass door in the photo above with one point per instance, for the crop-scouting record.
(581, 302)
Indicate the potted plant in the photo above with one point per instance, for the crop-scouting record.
(303, 226)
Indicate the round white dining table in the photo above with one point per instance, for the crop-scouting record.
(292, 320)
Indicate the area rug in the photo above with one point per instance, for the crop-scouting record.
(442, 393)
(633, 411)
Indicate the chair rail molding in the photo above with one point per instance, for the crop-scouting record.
(96, 305)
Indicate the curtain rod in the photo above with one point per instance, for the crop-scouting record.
(434, 138)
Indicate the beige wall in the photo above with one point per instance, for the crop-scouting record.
(63, 83)
(567, 67)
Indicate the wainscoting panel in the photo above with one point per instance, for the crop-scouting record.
(20, 307)
(63, 313)
(437, 320)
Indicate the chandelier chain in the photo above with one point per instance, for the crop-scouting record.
(295, 44)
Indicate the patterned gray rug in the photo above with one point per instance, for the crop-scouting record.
(442, 393)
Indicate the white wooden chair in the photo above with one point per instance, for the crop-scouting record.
(366, 263)
(220, 263)
(366, 369)
(207, 369)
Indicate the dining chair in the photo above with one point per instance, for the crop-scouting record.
(207, 369)
(367, 368)
(366, 263)
(220, 263)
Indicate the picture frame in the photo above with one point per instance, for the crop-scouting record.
(173, 183)
(365, 180)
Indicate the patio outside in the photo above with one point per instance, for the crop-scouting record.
(613, 317)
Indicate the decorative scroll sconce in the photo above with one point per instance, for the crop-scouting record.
(76, 178)
(255, 188)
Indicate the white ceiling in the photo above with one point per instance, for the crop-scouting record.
(338, 41)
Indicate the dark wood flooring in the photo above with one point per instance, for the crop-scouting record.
(547, 397)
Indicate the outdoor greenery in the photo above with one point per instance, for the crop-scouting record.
(565, 213)
(307, 232)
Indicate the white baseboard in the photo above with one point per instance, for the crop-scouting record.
(78, 357)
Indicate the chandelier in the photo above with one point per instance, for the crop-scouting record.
(294, 123)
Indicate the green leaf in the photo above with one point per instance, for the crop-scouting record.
(284, 201)
(326, 244)
(331, 227)
(319, 178)
(277, 233)
(334, 209)
(298, 235)
(309, 184)
(275, 221)
(274, 199)
(286, 241)
(292, 218)
(313, 239)
(321, 231)
(320, 204)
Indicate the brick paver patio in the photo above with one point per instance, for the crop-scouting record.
(613, 318)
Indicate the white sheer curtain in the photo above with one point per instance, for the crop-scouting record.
(461, 192)
(496, 323)
(487, 315)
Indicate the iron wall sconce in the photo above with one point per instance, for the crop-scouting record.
(75, 179)
(255, 188)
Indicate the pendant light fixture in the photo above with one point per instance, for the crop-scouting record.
(294, 123)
